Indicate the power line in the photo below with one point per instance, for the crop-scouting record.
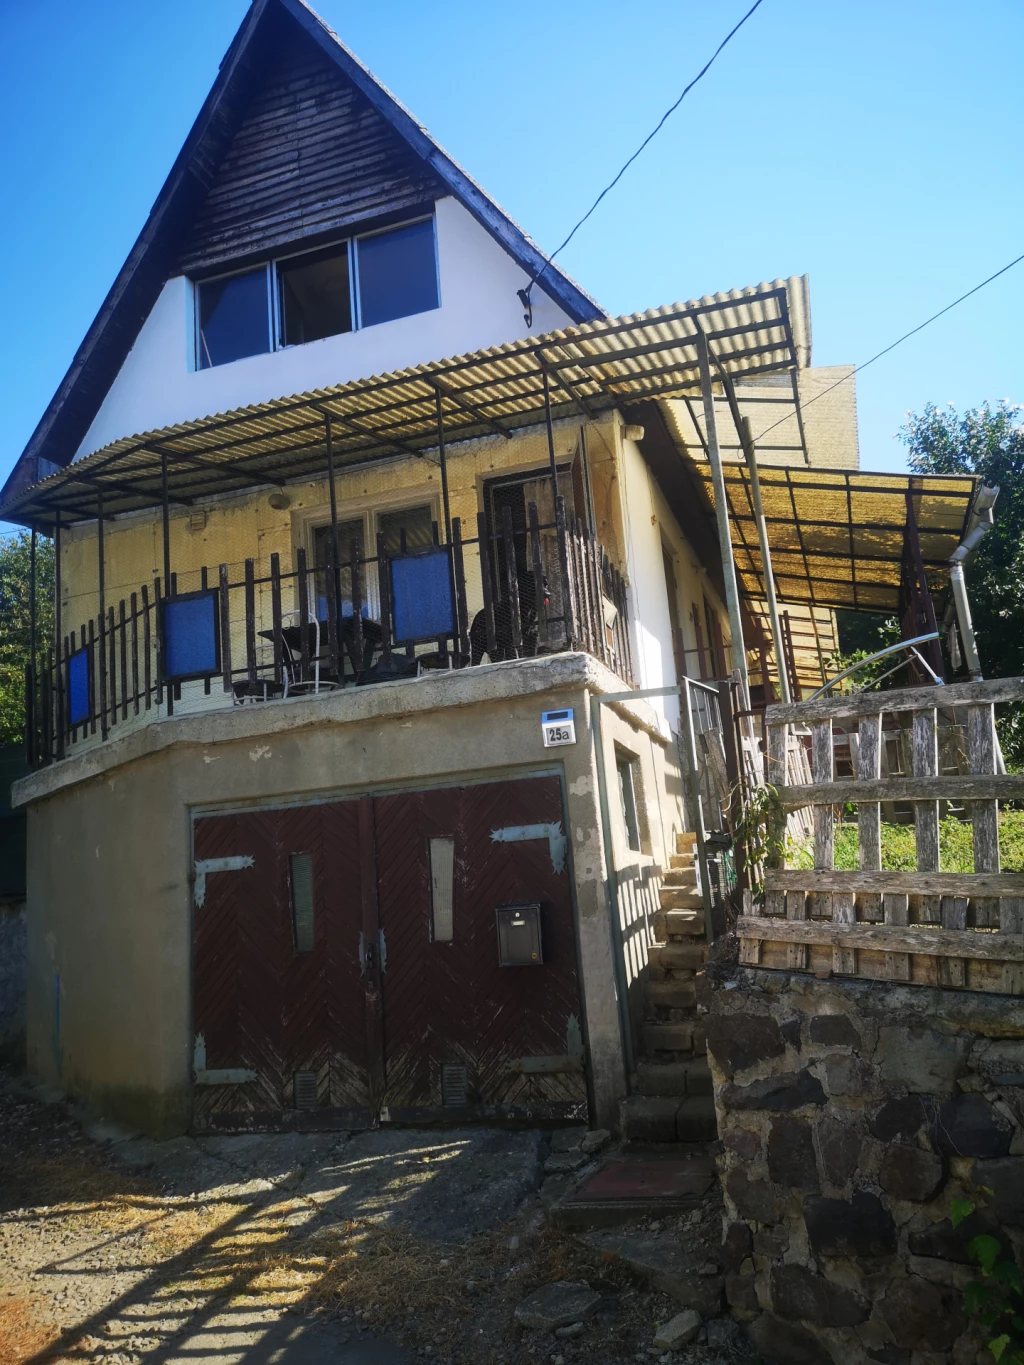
(654, 132)
(906, 335)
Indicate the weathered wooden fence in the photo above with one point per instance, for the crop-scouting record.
(923, 926)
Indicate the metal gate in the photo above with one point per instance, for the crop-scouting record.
(347, 964)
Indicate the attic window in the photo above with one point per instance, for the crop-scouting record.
(318, 294)
(233, 318)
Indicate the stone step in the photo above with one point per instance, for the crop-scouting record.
(696, 1120)
(683, 1079)
(686, 1036)
(682, 860)
(685, 842)
(678, 955)
(652, 1118)
(678, 924)
(671, 995)
(680, 876)
(680, 898)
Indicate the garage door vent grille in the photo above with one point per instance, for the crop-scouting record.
(454, 1087)
(305, 1090)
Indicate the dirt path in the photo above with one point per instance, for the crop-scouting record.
(385, 1247)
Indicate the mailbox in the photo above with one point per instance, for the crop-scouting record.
(519, 942)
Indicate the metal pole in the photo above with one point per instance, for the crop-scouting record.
(444, 470)
(732, 597)
(58, 676)
(166, 524)
(334, 528)
(32, 602)
(551, 433)
(766, 563)
(101, 557)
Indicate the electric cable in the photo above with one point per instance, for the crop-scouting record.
(650, 136)
(885, 351)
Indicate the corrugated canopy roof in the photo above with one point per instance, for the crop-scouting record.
(836, 536)
(591, 368)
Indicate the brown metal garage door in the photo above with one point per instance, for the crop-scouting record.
(329, 989)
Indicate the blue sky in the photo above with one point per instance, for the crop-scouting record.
(875, 146)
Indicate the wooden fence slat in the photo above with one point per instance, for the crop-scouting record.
(796, 912)
(1002, 787)
(925, 761)
(823, 770)
(898, 699)
(869, 813)
(953, 971)
(880, 883)
(921, 939)
(750, 948)
(981, 759)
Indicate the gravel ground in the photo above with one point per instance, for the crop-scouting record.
(385, 1248)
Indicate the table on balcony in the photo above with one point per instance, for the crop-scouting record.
(291, 636)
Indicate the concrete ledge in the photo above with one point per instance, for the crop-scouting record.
(384, 701)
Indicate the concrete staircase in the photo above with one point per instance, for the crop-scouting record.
(672, 1099)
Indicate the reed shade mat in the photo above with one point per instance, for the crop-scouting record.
(836, 536)
(591, 369)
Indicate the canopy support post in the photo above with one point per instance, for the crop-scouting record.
(766, 562)
(442, 454)
(58, 627)
(550, 430)
(732, 597)
(334, 529)
(32, 602)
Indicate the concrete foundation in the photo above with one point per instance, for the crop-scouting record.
(110, 857)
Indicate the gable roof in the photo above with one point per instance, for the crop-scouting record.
(169, 233)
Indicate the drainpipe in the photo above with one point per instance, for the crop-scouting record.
(979, 523)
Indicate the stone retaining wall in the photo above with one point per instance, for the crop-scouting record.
(851, 1114)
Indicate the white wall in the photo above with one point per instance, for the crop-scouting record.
(157, 386)
(650, 623)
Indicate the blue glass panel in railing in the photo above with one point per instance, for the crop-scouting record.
(421, 596)
(191, 638)
(346, 609)
(79, 708)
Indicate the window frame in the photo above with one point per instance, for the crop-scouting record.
(275, 313)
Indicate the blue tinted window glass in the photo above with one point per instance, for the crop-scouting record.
(78, 687)
(190, 636)
(234, 318)
(421, 596)
(397, 273)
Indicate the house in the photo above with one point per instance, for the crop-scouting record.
(382, 554)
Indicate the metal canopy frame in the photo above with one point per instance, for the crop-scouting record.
(585, 370)
(836, 537)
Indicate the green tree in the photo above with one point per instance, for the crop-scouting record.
(989, 442)
(15, 633)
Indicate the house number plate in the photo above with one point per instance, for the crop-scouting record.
(558, 727)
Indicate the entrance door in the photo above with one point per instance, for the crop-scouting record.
(352, 973)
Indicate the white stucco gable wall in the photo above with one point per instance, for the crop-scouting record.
(158, 385)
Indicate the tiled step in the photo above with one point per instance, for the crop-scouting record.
(678, 924)
(661, 1040)
(685, 842)
(682, 1079)
(678, 955)
(680, 898)
(671, 995)
(644, 1118)
(680, 876)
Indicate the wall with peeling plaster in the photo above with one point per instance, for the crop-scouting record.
(109, 862)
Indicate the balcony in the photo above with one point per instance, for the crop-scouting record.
(253, 633)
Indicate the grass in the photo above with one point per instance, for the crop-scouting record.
(956, 852)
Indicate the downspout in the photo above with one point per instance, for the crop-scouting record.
(982, 519)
